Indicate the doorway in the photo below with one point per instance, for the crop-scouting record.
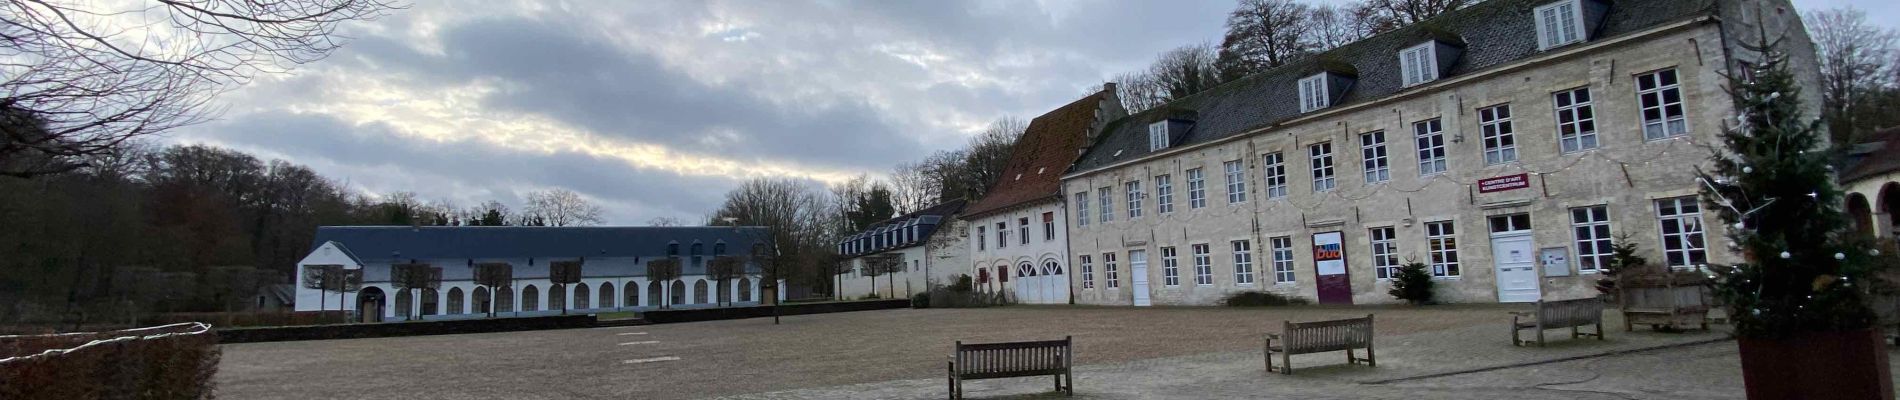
(369, 304)
(1512, 256)
(1333, 282)
(1138, 274)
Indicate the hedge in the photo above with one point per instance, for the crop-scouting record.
(165, 362)
(713, 314)
(410, 328)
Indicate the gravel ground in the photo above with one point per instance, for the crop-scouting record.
(751, 356)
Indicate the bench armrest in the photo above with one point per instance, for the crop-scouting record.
(1273, 336)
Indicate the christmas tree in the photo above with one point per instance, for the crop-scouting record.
(1803, 269)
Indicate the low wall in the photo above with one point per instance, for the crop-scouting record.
(412, 328)
(713, 314)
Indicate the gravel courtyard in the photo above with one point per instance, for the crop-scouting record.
(723, 358)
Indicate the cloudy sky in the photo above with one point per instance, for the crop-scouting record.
(657, 108)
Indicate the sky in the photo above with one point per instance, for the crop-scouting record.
(658, 108)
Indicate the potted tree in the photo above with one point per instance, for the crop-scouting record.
(1799, 298)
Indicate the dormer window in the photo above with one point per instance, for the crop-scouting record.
(1419, 63)
(1158, 136)
(1314, 94)
(1559, 24)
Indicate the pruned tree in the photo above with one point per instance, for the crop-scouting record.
(415, 277)
(563, 274)
(562, 207)
(872, 267)
(83, 78)
(320, 277)
(344, 281)
(664, 271)
(1264, 34)
(494, 275)
(723, 269)
(1856, 60)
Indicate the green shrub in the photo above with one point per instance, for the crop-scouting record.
(964, 284)
(1413, 284)
(1262, 299)
(920, 300)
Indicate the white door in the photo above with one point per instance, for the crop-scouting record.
(1055, 283)
(1516, 267)
(1138, 274)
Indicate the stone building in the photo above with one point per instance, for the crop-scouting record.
(1872, 183)
(1018, 237)
(1505, 145)
(901, 256)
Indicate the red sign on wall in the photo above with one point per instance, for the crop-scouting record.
(1503, 183)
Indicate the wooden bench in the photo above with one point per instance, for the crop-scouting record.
(1321, 336)
(1013, 359)
(1573, 314)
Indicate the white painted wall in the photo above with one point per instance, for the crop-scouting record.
(1003, 259)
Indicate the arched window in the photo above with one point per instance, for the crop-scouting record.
(673, 249)
(1002, 274)
(982, 275)
(430, 299)
(745, 289)
(1025, 270)
(581, 297)
(530, 299)
(455, 301)
(403, 303)
(482, 301)
(505, 299)
(699, 292)
(719, 249)
(606, 295)
(655, 293)
(1049, 267)
(632, 289)
(677, 293)
(725, 292)
(557, 297)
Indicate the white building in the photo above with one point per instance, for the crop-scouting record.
(613, 269)
(1019, 243)
(921, 250)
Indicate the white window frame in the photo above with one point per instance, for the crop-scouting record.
(1690, 240)
(1576, 120)
(1164, 193)
(1082, 208)
(1170, 267)
(1112, 273)
(1590, 233)
(1419, 64)
(1022, 229)
(1133, 189)
(1002, 235)
(1372, 154)
(1107, 196)
(1385, 251)
(1282, 248)
(1158, 136)
(1236, 181)
(1320, 158)
(1243, 262)
(1048, 226)
(1441, 242)
(1499, 136)
(1088, 272)
(1429, 136)
(1313, 93)
(982, 238)
(1197, 188)
(1566, 17)
(1273, 168)
(1203, 264)
(1652, 96)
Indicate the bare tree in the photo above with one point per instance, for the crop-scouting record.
(665, 221)
(724, 269)
(495, 276)
(1263, 34)
(796, 216)
(912, 189)
(84, 77)
(1140, 91)
(1856, 61)
(1186, 70)
(562, 207)
(989, 152)
(1381, 16)
(1333, 26)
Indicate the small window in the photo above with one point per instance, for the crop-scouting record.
(1681, 220)
(1002, 235)
(1313, 93)
(1321, 156)
(1164, 193)
(1510, 223)
(1133, 189)
(1372, 153)
(1088, 272)
(1419, 63)
(1170, 268)
(1107, 202)
(1283, 260)
(1441, 242)
(1236, 182)
(1022, 229)
(1243, 262)
(1430, 136)
(1591, 227)
(1158, 136)
(1113, 278)
(1273, 167)
(1082, 208)
(1197, 188)
(1660, 94)
(1500, 140)
(982, 238)
(1385, 252)
(1559, 24)
(1576, 120)
(1048, 226)
(1203, 265)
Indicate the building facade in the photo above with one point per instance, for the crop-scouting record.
(902, 256)
(1018, 231)
(613, 269)
(1505, 145)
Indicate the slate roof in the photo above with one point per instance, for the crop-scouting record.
(1493, 33)
(1877, 154)
(491, 242)
(942, 212)
(1035, 167)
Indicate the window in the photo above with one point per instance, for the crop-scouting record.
(1134, 198)
(1510, 223)
(1197, 189)
(1500, 145)
(1022, 229)
(1442, 242)
(1321, 156)
(1088, 273)
(1002, 235)
(1164, 194)
(1576, 120)
(1170, 268)
(1081, 209)
(1273, 166)
(1158, 136)
(1243, 262)
(1660, 95)
(1430, 135)
(1559, 24)
(1681, 221)
(1385, 252)
(1419, 63)
(982, 238)
(1108, 267)
(1282, 260)
(1591, 226)
(1108, 205)
(1236, 182)
(1203, 265)
(1372, 150)
(1048, 226)
(1313, 93)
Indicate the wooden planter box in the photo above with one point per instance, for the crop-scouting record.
(1819, 365)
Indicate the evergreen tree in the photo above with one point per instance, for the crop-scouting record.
(1803, 270)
